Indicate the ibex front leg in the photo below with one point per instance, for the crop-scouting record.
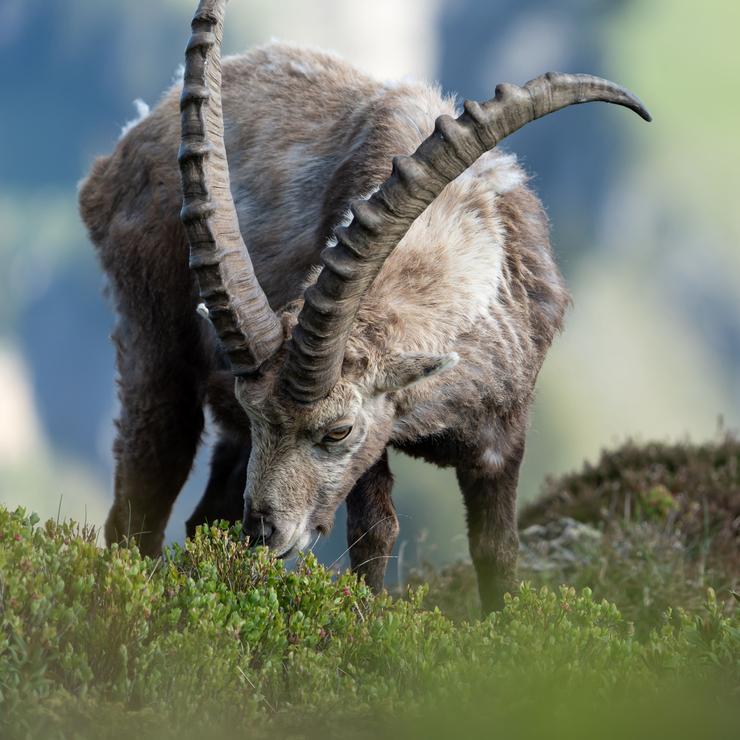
(161, 392)
(372, 524)
(489, 490)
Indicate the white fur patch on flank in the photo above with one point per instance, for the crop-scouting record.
(492, 458)
(444, 274)
(142, 111)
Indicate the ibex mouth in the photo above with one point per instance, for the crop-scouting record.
(298, 542)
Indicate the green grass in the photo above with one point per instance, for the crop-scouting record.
(218, 640)
(660, 525)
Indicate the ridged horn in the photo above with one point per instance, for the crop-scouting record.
(249, 330)
(380, 222)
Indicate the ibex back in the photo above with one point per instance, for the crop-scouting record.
(422, 324)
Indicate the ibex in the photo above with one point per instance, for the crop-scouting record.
(382, 299)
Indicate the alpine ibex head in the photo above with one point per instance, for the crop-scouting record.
(307, 456)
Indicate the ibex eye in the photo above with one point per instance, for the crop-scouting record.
(337, 434)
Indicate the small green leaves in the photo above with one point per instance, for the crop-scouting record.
(219, 638)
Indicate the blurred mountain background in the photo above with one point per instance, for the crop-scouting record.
(645, 220)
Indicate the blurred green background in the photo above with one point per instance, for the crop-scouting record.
(645, 220)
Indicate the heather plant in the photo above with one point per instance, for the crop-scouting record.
(219, 639)
(693, 489)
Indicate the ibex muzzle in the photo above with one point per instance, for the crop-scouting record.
(423, 329)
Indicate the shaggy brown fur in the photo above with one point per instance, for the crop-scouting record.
(306, 133)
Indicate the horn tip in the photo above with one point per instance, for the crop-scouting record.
(640, 109)
(631, 101)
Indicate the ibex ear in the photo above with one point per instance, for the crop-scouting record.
(406, 368)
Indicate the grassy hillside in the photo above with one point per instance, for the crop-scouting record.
(220, 641)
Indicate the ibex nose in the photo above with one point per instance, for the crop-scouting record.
(258, 527)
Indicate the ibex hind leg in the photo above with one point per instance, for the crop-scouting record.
(489, 488)
(372, 524)
(224, 494)
(161, 379)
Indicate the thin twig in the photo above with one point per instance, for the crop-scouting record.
(376, 557)
(380, 521)
(154, 569)
(399, 565)
(264, 698)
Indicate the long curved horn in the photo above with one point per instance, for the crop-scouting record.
(380, 222)
(248, 328)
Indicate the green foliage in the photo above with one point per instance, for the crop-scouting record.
(663, 521)
(642, 568)
(218, 637)
(692, 488)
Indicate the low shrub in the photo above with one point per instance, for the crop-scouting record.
(692, 489)
(216, 639)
